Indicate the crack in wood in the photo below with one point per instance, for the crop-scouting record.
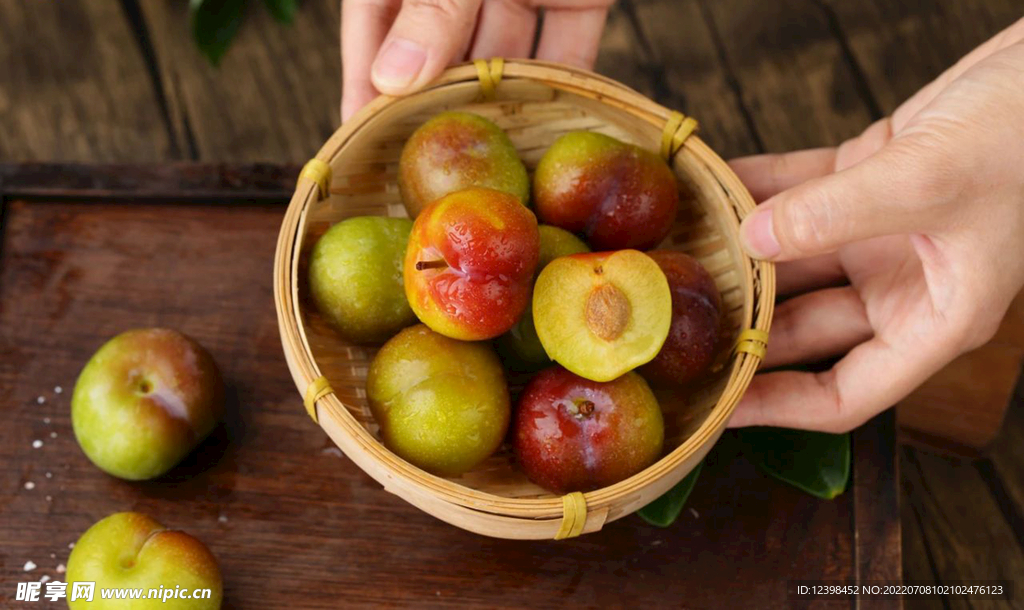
(654, 73)
(994, 482)
(860, 81)
(731, 79)
(133, 12)
(911, 458)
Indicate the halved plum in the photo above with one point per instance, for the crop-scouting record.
(602, 314)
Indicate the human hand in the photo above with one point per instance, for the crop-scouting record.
(923, 216)
(397, 46)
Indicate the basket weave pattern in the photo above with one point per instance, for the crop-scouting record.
(534, 103)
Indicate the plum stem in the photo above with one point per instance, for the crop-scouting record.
(435, 264)
(584, 407)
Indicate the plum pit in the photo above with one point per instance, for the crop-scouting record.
(607, 312)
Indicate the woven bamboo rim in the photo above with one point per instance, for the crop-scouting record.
(523, 87)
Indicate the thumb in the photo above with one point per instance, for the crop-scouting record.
(427, 36)
(881, 195)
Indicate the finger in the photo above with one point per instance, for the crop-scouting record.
(427, 36)
(823, 271)
(363, 26)
(1010, 36)
(869, 142)
(886, 194)
(768, 175)
(871, 378)
(572, 35)
(817, 325)
(506, 29)
(790, 399)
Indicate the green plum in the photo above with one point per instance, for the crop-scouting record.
(442, 404)
(520, 345)
(454, 151)
(144, 401)
(555, 242)
(132, 551)
(355, 277)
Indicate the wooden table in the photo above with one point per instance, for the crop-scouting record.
(90, 251)
(98, 82)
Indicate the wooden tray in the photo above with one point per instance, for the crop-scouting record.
(89, 251)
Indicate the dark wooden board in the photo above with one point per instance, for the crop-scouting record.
(963, 529)
(174, 181)
(1004, 469)
(292, 523)
(964, 519)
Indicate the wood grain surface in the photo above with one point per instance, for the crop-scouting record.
(291, 521)
(74, 87)
(275, 96)
(694, 76)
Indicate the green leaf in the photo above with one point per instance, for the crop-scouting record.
(665, 510)
(282, 10)
(214, 25)
(815, 462)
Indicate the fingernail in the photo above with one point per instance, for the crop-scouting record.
(398, 65)
(758, 235)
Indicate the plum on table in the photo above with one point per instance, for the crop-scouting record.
(144, 400)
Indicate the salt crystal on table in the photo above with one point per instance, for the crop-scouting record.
(693, 511)
(36, 444)
(49, 498)
(40, 400)
(46, 420)
(44, 578)
(58, 390)
(61, 568)
(49, 475)
(71, 545)
(29, 566)
(53, 435)
(223, 518)
(29, 485)
(53, 555)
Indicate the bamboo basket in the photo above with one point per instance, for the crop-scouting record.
(355, 174)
